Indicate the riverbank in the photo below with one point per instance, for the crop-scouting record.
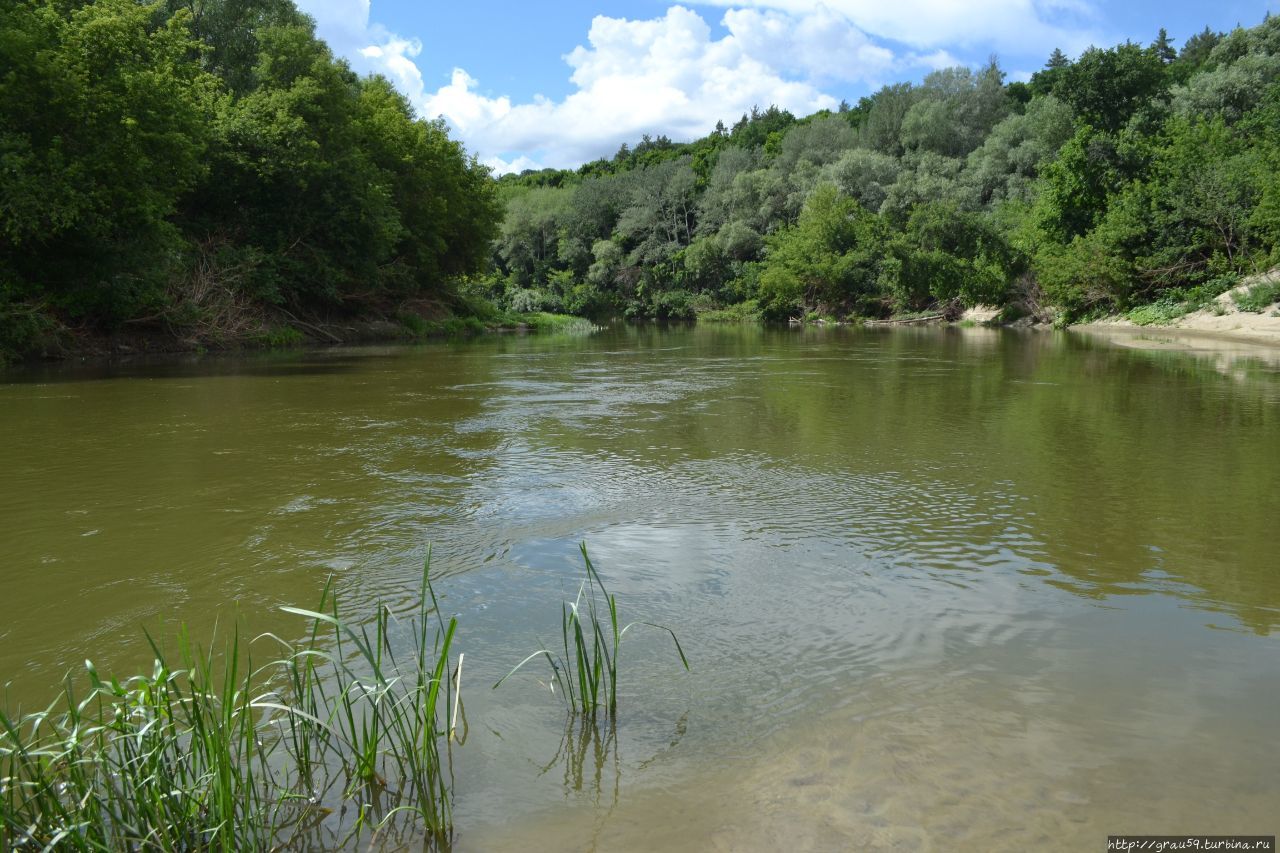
(408, 324)
(1247, 315)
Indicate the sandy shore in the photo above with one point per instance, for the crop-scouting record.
(1219, 327)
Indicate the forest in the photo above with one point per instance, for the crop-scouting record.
(208, 171)
(1134, 175)
(202, 167)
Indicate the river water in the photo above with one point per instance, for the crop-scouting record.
(941, 589)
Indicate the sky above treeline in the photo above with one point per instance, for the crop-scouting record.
(528, 85)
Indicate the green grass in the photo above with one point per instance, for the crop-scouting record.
(329, 740)
(280, 337)
(342, 737)
(1175, 303)
(1258, 298)
(743, 312)
(543, 322)
(1158, 313)
(415, 324)
(591, 639)
(454, 327)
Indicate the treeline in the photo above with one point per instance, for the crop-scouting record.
(195, 165)
(1129, 175)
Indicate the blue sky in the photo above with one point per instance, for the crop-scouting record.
(556, 84)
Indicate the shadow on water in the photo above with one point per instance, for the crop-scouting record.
(282, 363)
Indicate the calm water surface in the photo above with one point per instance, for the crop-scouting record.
(941, 589)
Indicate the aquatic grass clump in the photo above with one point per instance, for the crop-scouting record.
(545, 322)
(337, 737)
(587, 671)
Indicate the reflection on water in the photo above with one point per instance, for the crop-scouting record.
(940, 588)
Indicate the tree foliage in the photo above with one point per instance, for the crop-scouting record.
(154, 154)
(1108, 179)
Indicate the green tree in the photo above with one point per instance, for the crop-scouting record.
(829, 259)
(1005, 167)
(1107, 87)
(947, 253)
(954, 109)
(104, 128)
(1162, 47)
(881, 128)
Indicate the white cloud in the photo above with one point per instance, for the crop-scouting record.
(823, 45)
(344, 24)
(666, 75)
(670, 75)
(467, 110)
(394, 58)
(1012, 25)
(937, 60)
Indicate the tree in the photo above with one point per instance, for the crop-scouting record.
(1013, 155)
(752, 131)
(1194, 54)
(865, 176)
(881, 128)
(1044, 81)
(104, 128)
(954, 110)
(830, 258)
(1106, 87)
(1073, 194)
(945, 253)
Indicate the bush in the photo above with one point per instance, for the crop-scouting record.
(22, 329)
(743, 312)
(281, 337)
(1157, 313)
(462, 326)
(673, 305)
(587, 300)
(415, 324)
(531, 300)
(524, 300)
(1259, 297)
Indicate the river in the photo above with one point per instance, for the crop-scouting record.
(940, 588)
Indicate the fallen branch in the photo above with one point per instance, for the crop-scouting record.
(906, 320)
(318, 330)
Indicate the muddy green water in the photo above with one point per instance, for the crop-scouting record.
(941, 589)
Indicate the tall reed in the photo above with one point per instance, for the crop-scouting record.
(591, 639)
(342, 735)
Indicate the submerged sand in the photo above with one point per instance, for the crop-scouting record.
(958, 775)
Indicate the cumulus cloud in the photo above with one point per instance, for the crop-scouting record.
(394, 58)
(345, 26)
(821, 45)
(664, 75)
(1012, 25)
(937, 60)
(671, 75)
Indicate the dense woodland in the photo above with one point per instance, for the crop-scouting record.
(1130, 175)
(207, 168)
(201, 166)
